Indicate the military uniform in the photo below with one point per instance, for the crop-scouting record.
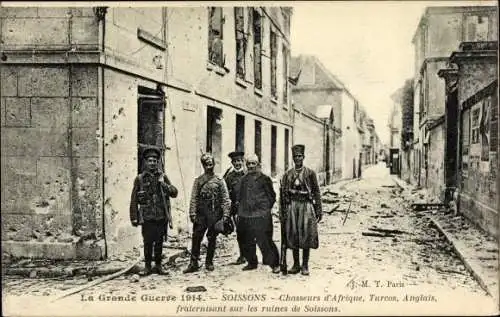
(150, 208)
(209, 203)
(232, 177)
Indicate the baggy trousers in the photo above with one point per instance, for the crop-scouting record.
(199, 230)
(153, 233)
(258, 230)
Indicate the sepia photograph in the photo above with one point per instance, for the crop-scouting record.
(249, 158)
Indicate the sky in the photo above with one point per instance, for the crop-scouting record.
(367, 45)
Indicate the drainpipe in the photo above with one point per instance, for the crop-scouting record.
(100, 13)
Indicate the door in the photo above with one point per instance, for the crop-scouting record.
(150, 129)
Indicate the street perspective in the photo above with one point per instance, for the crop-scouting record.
(324, 158)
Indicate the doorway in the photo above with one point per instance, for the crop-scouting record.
(214, 135)
(151, 123)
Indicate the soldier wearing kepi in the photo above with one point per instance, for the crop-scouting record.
(150, 208)
(232, 177)
(209, 204)
(301, 204)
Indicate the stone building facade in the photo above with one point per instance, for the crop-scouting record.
(439, 32)
(472, 106)
(80, 102)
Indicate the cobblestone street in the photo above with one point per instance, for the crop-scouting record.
(408, 257)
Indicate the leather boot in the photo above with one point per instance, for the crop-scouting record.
(209, 260)
(192, 267)
(158, 269)
(305, 262)
(147, 269)
(296, 262)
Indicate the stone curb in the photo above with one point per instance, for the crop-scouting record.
(460, 251)
(43, 272)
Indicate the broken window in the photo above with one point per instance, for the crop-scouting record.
(274, 57)
(215, 35)
(257, 48)
(258, 138)
(150, 122)
(286, 150)
(214, 135)
(241, 41)
(240, 133)
(274, 137)
(285, 74)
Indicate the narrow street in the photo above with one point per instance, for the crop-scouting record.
(350, 272)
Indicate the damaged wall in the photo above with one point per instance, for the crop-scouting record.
(478, 100)
(49, 149)
(435, 180)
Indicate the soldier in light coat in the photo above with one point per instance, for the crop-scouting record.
(209, 203)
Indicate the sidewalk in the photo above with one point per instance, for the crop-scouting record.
(477, 249)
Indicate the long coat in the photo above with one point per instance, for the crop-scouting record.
(300, 200)
(256, 195)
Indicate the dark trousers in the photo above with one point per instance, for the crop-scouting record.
(258, 231)
(153, 234)
(199, 230)
(239, 238)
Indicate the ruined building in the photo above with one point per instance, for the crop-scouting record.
(439, 33)
(83, 90)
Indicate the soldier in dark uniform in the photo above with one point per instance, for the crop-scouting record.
(232, 178)
(301, 206)
(209, 203)
(150, 208)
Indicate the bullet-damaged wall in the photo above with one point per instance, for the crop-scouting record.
(49, 149)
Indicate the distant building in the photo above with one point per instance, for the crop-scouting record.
(317, 86)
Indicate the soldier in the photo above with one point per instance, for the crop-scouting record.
(255, 200)
(150, 208)
(301, 205)
(209, 203)
(232, 178)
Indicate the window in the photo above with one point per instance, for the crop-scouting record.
(286, 150)
(285, 74)
(475, 126)
(240, 133)
(215, 36)
(241, 41)
(258, 138)
(274, 57)
(477, 28)
(274, 133)
(257, 48)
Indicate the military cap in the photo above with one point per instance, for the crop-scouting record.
(148, 152)
(236, 154)
(205, 157)
(298, 149)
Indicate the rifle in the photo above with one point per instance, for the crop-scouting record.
(282, 213)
